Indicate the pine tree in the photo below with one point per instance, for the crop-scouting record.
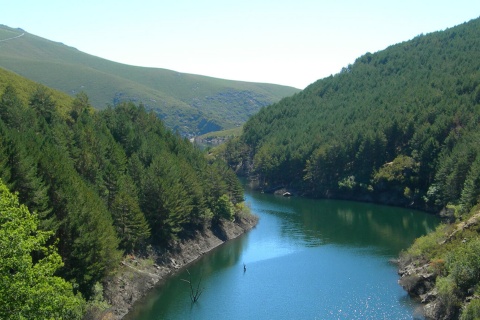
(80, 105)
(42, 102)
(11, 107)
(471, 190)
(130, 223)
(25, 178)
(5, 174)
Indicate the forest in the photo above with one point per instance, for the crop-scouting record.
(80, 189)
(399, 127)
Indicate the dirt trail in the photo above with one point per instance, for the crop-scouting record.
(13, 37)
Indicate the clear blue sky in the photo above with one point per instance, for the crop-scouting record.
(285, 42)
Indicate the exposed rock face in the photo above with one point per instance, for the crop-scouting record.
(419, 282)
(138, 276)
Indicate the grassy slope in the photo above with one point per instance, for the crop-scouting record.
(185, 101)
(25, 87)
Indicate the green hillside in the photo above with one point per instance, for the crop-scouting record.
(191, 104)
(25, 87)
(400, 127)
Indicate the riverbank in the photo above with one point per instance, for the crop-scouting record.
(137, 276)
(438, 270)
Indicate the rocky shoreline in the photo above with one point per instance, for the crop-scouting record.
(418, 274)
(137, 276)
(419, 281)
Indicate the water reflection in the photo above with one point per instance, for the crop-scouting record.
(316, 222)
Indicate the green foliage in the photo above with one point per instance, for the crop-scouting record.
(447, 293)
(224, 208)
(471, 311)
(80, 105)
(242, 211)
(401, 171)
(43, 104)
(29, 288)
(100, 183)
(96, 306)
(129, 221)
(453, 253)
(427, 246)
(463, 264)
(398, 126)
(24, 88)
(10, 107)
(471, 189)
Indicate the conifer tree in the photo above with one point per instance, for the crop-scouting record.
(11, 107)
(471, 190)
(131, 226)
(32, 191)
(42, 102)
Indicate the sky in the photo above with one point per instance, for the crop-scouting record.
(290, 43)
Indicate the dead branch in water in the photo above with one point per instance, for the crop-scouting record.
(194, 293)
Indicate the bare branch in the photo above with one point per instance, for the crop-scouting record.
(194, 294)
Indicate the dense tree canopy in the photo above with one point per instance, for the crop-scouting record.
(104, 183)
(398, 126)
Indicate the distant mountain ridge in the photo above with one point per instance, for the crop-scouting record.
(190, 104)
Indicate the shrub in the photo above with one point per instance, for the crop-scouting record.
(242, 210)
(471, 310)
(463, 264)
(447, 293)
(426, 245)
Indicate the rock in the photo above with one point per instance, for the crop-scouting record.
(419, 282)
(433, 310)
(429, 296)
(416, 280)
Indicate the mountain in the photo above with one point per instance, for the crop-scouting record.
(190, 104)
(399, 126)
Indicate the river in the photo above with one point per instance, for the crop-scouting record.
(306, 259)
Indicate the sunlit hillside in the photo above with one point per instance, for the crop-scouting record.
(190, 104)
